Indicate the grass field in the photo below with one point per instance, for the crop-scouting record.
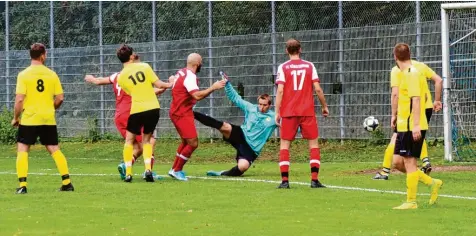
(249, 205)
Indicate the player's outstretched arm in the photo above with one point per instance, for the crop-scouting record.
(159, 91)
(162, 85)
(199, 95)
(97, 80)
(235, 98)
(322, 99)
(438, 89)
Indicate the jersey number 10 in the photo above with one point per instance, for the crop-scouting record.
(295, 74)
(139, 77)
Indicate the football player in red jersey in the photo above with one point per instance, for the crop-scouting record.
(185, 94)
(123, 108)
(297, 79)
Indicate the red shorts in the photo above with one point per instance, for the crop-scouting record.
(185, 126)
(308, 124)
(121, 125)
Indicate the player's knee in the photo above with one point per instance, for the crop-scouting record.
(193, 142)
(243, 165)
(225, 127)
(52, 148)
(313, 143)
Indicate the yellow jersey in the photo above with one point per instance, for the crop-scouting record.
(136, 79)
(396, 74)
(39, 84)
(412, 84)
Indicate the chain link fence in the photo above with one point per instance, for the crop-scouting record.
(349, 42)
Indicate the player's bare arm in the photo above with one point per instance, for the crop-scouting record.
(19, 99)
(394, 102)
(416, 118)
(162, 85)
(204, 93)
(58, 101)
(159, 91)
(97, 80)
(438, 88)
(322, 99)
(277, 106)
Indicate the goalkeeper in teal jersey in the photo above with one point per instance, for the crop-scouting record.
(249, 138)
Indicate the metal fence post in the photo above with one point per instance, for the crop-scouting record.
(101, 64)
(154, 38)
(273, 50)
(418, 31)
(341, 72)
(7, 55)
(210, 59)
(52, 37)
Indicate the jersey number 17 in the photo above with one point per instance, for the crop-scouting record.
(302, 75)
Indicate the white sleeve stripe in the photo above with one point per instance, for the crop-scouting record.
(113, 77)
(280, 74)
(190, 82)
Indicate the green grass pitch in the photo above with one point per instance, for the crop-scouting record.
(251, 205)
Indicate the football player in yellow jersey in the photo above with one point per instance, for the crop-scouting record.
(408, 115)
(138, 80)
(38, 95)
(395, 78)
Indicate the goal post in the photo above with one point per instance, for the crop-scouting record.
(459, 82)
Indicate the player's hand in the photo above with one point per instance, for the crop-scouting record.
(219, 84)
(277, 119)
(89, 78)
(393, 122)
(172, 79)
(416, 133)
(437, 106)
(15, 122)
(325, 111)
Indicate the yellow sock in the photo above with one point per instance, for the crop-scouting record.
(424, 151)
(147, 155)
(412, 186)
(127, 154)
(62, 166)
(22, 167)
(424, 178)
(387, 158)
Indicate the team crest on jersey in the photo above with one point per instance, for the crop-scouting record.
(268, 119)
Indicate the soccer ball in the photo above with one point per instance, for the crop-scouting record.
(370, 124)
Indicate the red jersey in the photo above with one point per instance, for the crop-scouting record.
(298, 77)
(182, 101)
(123, 100)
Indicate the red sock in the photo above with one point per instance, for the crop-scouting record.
(184, 156)
(284, 164)
(315, 163)
(152, 160)
(179, 150)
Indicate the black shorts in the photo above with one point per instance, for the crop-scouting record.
(428, 113)
(238, 141)
(405, 145)
(146, 119)
(28, 134)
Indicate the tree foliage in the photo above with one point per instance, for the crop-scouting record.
(76, 23)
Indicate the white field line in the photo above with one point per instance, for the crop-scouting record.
(273, 182)
(120, 159)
